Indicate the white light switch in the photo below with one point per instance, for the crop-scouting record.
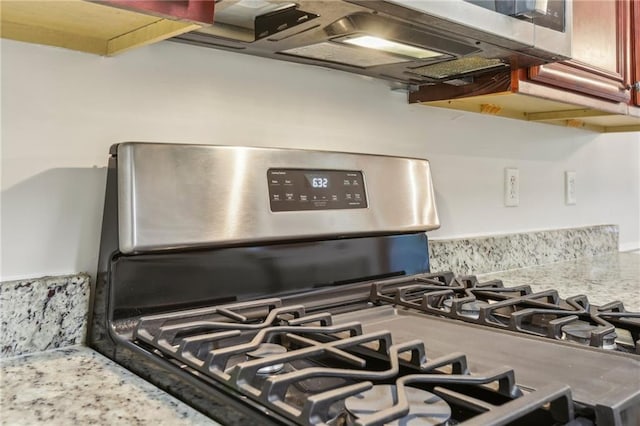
(511, 187)
(570, 188)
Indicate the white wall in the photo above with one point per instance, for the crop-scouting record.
(61, 111)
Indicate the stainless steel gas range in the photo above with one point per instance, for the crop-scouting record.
(274, 286)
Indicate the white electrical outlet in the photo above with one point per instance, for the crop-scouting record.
(511, 187)
(570, 188)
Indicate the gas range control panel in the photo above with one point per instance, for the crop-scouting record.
(308, 189)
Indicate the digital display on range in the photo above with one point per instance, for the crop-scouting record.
(298, 189)
(318, 181)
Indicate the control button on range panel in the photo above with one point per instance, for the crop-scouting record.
(315, 189)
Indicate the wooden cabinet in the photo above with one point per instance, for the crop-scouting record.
(601, 52)
(97, 27)
(635, 52)
(591, 91)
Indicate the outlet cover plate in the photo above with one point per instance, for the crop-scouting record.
(511, 187)
(570, 188)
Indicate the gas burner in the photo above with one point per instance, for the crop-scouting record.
(580, 332)
(426, 408)
(518, 309)
(266, 350)
(470, 309)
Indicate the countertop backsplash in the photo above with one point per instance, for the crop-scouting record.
(479, 255)
(43, 313)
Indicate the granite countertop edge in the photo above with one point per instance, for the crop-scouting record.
(78, 385)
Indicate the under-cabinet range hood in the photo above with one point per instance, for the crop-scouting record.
(410, 42)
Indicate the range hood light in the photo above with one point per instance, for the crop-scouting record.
(378, 43)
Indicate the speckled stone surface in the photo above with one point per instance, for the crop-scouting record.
(510, 251)
(78, 386)
(603, 279)
(44, 313)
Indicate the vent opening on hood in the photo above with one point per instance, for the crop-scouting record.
(471, 64)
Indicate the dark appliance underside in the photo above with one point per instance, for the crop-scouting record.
(321, 33)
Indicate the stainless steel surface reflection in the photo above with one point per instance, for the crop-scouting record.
(175, 196)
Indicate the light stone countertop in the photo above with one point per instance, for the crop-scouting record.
(604, 279)
(43, 313)
(78, 386)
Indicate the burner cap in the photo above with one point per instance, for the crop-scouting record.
(470, 309)
(426, 409)
(580, 332)
(265, 350)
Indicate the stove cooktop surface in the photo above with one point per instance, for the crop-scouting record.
(361, 363)
(596, 377)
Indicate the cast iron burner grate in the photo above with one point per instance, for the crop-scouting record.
(517, 309)
(325, 367)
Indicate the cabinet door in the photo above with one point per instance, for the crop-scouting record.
(601, 52)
